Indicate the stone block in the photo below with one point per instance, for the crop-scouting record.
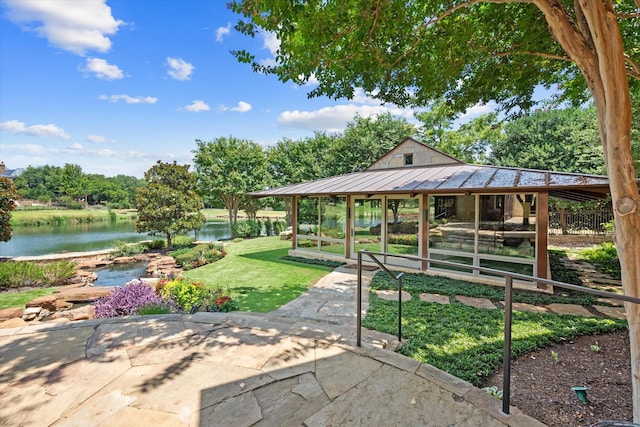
(83, 313)
(10, 313)
(47, 302)
(16, 322)
(87, 293)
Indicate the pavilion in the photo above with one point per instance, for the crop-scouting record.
(419, 201)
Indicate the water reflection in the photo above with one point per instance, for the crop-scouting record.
(31, 241)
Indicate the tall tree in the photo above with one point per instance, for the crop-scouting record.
(41, 183)
(560, 140)
(75, 183)
(169, 204)
(416, 51)
(365, 140)
(228, 168)
(8, 195)
(471, 142)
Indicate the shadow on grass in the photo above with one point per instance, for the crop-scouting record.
(275, 255)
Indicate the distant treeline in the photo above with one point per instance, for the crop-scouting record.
(69, 186)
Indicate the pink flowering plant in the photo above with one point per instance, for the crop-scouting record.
(127, 300)
(168, 296)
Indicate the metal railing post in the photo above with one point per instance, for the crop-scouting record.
(506, 362)
(359, 302)
(399, 277)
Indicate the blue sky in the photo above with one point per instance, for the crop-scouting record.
(116, 85)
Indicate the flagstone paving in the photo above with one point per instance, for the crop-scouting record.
(224, 369)
(296, 366)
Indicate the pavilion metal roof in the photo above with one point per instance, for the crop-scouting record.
(455, 178)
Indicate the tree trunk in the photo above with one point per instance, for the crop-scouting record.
(595, 44)
(562, 212)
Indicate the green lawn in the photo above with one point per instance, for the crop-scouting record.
(465, 341)
(19, 299)
(259, 280)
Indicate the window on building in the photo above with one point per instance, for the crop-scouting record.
(408, 159)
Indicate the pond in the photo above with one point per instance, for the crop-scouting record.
(32, 241)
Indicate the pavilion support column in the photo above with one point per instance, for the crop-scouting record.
(294, 222)
(542, 238)
(348, 228)
(424, 230)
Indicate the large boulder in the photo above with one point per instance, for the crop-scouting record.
(84, 294)
(47, 302)
(83, 313)
(11, 313)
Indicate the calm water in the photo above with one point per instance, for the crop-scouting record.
(30, 241)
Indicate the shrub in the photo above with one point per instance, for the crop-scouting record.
(17, 274)
(154, 244)
(127, 300)
(121, 248)
(56, 272)
(404, 239)
(279, 227)
(605, 259)
(160, 308)
(182, 242)
(186, 295)
(249, 228)
(268, 227)
(199, 255)
(217, 301)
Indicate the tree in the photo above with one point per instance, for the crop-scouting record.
(560, 140)
(40, 183)
(8, 195)
(75, 183)
(470, 142)
(228, 168)
(169, 204)
(414, 52)
(365, 140)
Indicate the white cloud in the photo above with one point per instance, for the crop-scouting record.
(31, 149)
(270, 41)
(197, 106)
(96, 139)
(130, 99)
(75, 26)
(102, 69)
(242, 107)
(179, 69)
(76, 146)
(272, 44)
(475, 111)
(17, 127)
(223, 31)
(335, 119)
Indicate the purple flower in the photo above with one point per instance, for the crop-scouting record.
(127, 300)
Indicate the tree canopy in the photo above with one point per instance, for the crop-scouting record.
(560, 140)
(415, 52)
(227, 169)
(169, 204)
(8, 195)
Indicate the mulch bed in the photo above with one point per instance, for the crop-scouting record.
(541, 387)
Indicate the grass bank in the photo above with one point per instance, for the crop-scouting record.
(259, 280)
(20, 298)
(22, 218)
(466, 341)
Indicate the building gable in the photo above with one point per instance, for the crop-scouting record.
(411, 153)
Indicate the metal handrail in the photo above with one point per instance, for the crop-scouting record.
(508, 302)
